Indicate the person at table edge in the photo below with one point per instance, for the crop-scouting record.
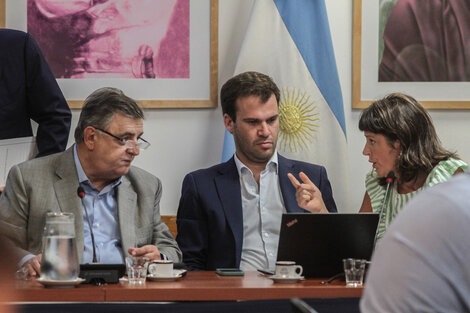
(122, 200)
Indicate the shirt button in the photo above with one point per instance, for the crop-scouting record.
(266, 234)
(97, 224)
(270, 254)
(101, 244)
(263, 209)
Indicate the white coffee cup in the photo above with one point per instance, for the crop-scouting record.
(162, 268)
(288, 269)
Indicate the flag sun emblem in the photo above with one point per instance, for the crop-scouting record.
(298, 120)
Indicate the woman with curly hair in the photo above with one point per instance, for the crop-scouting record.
(400, 137)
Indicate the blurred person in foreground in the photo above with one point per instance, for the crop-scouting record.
(400, 137)
(8, 293)
(122, 200)
(230, 214)
(422, 263)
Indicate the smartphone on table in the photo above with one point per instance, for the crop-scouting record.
(229, 272)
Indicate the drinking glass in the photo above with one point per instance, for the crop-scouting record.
(354, 271)
(137, 269)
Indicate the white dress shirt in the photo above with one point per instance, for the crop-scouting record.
(262, 211)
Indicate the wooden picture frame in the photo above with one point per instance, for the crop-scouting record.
(209, 100)
(366, 88)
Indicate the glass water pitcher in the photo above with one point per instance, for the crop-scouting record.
(59, 251)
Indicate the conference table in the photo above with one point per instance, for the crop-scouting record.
(198, 287)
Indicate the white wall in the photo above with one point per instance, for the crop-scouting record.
(185, 140)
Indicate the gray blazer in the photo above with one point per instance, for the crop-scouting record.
(50, 184)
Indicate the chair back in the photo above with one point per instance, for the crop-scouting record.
(170, 221)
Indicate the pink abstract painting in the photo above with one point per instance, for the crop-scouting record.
(113, 38)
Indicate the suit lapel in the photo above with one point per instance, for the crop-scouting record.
(228, 188)
(287, 190)
(65, 188)
(127, 202)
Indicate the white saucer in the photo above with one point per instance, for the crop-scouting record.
(286, 280)
(177, 274)
(60, 283)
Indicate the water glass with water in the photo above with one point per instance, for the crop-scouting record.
(354, 271)
(137, 269)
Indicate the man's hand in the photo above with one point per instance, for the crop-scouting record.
(149, 251)
(31, 269)
(308, 196)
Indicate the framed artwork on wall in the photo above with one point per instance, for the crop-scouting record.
(399, 46)
(163, 53)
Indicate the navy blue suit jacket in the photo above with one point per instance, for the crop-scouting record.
(210, 218)
(28, 90)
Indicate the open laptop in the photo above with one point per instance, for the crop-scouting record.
(319, 242)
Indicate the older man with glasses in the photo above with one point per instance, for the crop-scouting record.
(117, 212)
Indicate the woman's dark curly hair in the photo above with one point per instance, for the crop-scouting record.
(400, 117)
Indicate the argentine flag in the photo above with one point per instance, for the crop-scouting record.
(290, 41)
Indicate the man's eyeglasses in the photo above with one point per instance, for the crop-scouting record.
(131, 144)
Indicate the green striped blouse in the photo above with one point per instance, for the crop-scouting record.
(395, 201)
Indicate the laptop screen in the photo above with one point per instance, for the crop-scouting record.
(319, 242)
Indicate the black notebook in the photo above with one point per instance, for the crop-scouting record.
(319, 242)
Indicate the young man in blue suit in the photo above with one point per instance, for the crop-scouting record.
(230, 214)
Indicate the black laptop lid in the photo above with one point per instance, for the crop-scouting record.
(319, 242)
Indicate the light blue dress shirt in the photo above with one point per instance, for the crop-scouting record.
(262, 208)
(103, 214)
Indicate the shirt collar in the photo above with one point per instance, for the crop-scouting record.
(242, 167)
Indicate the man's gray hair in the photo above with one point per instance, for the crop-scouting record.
(99, 109)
